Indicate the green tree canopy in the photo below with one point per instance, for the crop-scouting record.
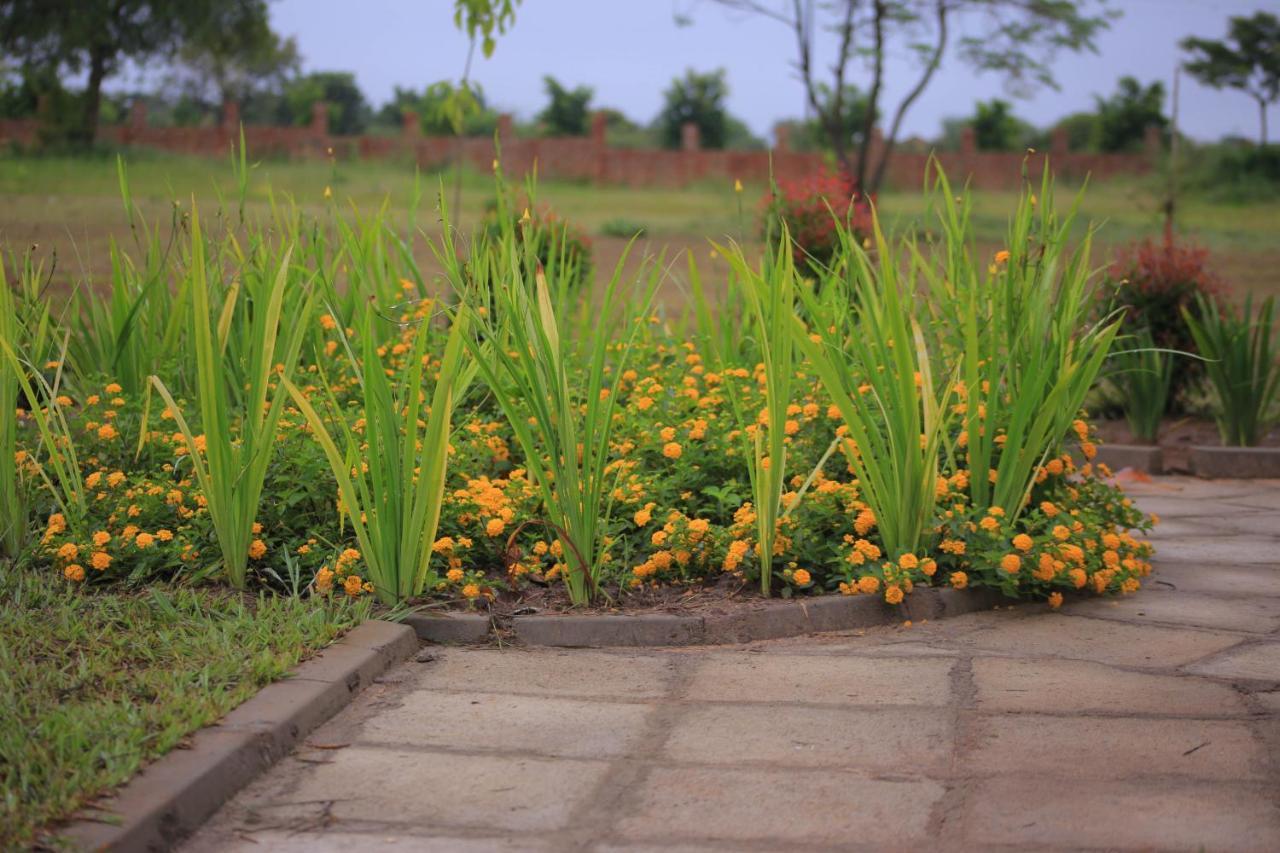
(1248, 59)
(234, 63)
(996, 128)
(348, 110)
(698, 98)
(432, 107)
(98, 36)
(1123, 118)
(568, 111)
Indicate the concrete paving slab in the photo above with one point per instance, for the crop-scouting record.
(559, 672)
(1085, 687)
(1214, 578)
(1256, 661)
(1245, 550)
(1161, 605)
(1148, 723)
(1065, 636)
(391, 841)
(891, 740)
(415, 787)
(1076, 748)
(568, 728)
(1029, 812)
(779, 806)
(745, 677)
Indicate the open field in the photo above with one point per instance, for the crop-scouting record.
(72, 207)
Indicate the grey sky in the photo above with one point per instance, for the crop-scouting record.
(629, 50)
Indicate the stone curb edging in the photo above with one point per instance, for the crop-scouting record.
(1242, 463)
(769, 620)
(171, 797)
(1149, 459)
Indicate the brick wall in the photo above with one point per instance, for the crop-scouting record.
(591, 158)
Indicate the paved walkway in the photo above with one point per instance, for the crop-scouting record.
(1151, 722)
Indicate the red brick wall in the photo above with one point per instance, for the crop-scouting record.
(589, 158)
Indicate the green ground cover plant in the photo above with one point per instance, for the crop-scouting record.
(498, 431)
(95, 683)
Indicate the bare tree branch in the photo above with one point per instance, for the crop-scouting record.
(935, 59)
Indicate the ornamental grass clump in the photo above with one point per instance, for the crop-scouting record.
(1242, 360)
(558, 393)
(26, 332)
(874, 363)
(391, 465)
(1018, 329)
(1143, 374)
(231, 455)
(139, 325)
(768, 292)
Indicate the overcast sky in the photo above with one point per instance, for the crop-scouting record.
(629, 50)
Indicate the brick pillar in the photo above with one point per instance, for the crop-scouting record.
(320, 118)
(968, 141)
(137, 115)
(600, 142)
(230, 121)
(506, 128)
(409, 124)
(1153, 142)
(782, 137)
(690, 137)
(599, 127)
(1059, 142)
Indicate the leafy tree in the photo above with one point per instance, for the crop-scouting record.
(697, 98)
(1015, 38)
(432, 107)
(738, 136)
(995, 128)
(811, 135)
(348, 110)
(1082, 130)
(1248, 60)
(568, 110)
(232, 64)
(1124, 117)
(99, 36)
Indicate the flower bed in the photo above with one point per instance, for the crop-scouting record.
(305, 415)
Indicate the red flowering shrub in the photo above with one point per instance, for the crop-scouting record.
(1153, 282)
(811, 208)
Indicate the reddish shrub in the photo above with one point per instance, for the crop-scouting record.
(1153, 282)
(813, 208)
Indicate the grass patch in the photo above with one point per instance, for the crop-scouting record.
(94, 684)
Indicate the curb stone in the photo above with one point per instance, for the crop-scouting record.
(1242, 463)
(451, 627)
(760, 620)
(1148, 459)
(172, 796)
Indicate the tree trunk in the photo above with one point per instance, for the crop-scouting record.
(873, 101)
(1262, 115)
(88, 130)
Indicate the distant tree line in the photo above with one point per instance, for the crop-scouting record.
(220, 50)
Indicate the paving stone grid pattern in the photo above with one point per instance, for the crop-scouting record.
(1149, 722)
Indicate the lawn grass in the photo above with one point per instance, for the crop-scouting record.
(94, 683)
(72, 206)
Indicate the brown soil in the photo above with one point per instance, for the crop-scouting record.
(697, 599)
